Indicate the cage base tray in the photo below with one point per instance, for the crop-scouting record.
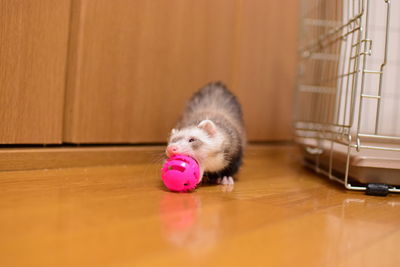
(366, 167)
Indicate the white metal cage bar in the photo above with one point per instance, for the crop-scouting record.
(345, 52)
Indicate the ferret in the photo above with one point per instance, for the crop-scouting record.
(211, 130)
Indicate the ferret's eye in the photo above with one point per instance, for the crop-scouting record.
(192, 140)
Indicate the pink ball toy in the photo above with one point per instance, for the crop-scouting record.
(180, 173)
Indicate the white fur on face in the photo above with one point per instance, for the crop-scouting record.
(208, 154)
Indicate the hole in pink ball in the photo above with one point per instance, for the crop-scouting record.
(183, 159)
(176, 167)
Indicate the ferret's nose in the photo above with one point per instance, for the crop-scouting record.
(171, 150)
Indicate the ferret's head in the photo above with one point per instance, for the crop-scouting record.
(202, 142)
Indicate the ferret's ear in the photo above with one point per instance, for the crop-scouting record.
(173, 131)
(208, 126)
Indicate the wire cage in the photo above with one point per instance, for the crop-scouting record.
(347, 114)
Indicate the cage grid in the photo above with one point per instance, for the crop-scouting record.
(347, 103)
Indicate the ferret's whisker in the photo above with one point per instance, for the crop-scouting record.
(152, 168)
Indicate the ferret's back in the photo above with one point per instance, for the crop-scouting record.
(212, 101)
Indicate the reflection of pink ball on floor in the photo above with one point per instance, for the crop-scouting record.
(180, 173)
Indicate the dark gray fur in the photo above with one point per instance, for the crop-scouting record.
(215, 102)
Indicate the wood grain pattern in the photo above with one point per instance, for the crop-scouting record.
(278, 214)
(33, 51)
(130, 74)
(17, 159)
(265, 66)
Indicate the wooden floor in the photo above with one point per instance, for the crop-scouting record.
(277, 214)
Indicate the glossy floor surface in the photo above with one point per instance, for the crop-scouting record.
(277, 214)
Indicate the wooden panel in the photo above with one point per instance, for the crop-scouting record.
(278, 214)
(16, 159)
(130, 74)
(265, 66)
(33, 51)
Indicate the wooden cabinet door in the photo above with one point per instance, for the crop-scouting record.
(33, 52)
(265, 66)
(134, 63)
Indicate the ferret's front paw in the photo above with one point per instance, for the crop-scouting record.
(227, 183)
(227, 180)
